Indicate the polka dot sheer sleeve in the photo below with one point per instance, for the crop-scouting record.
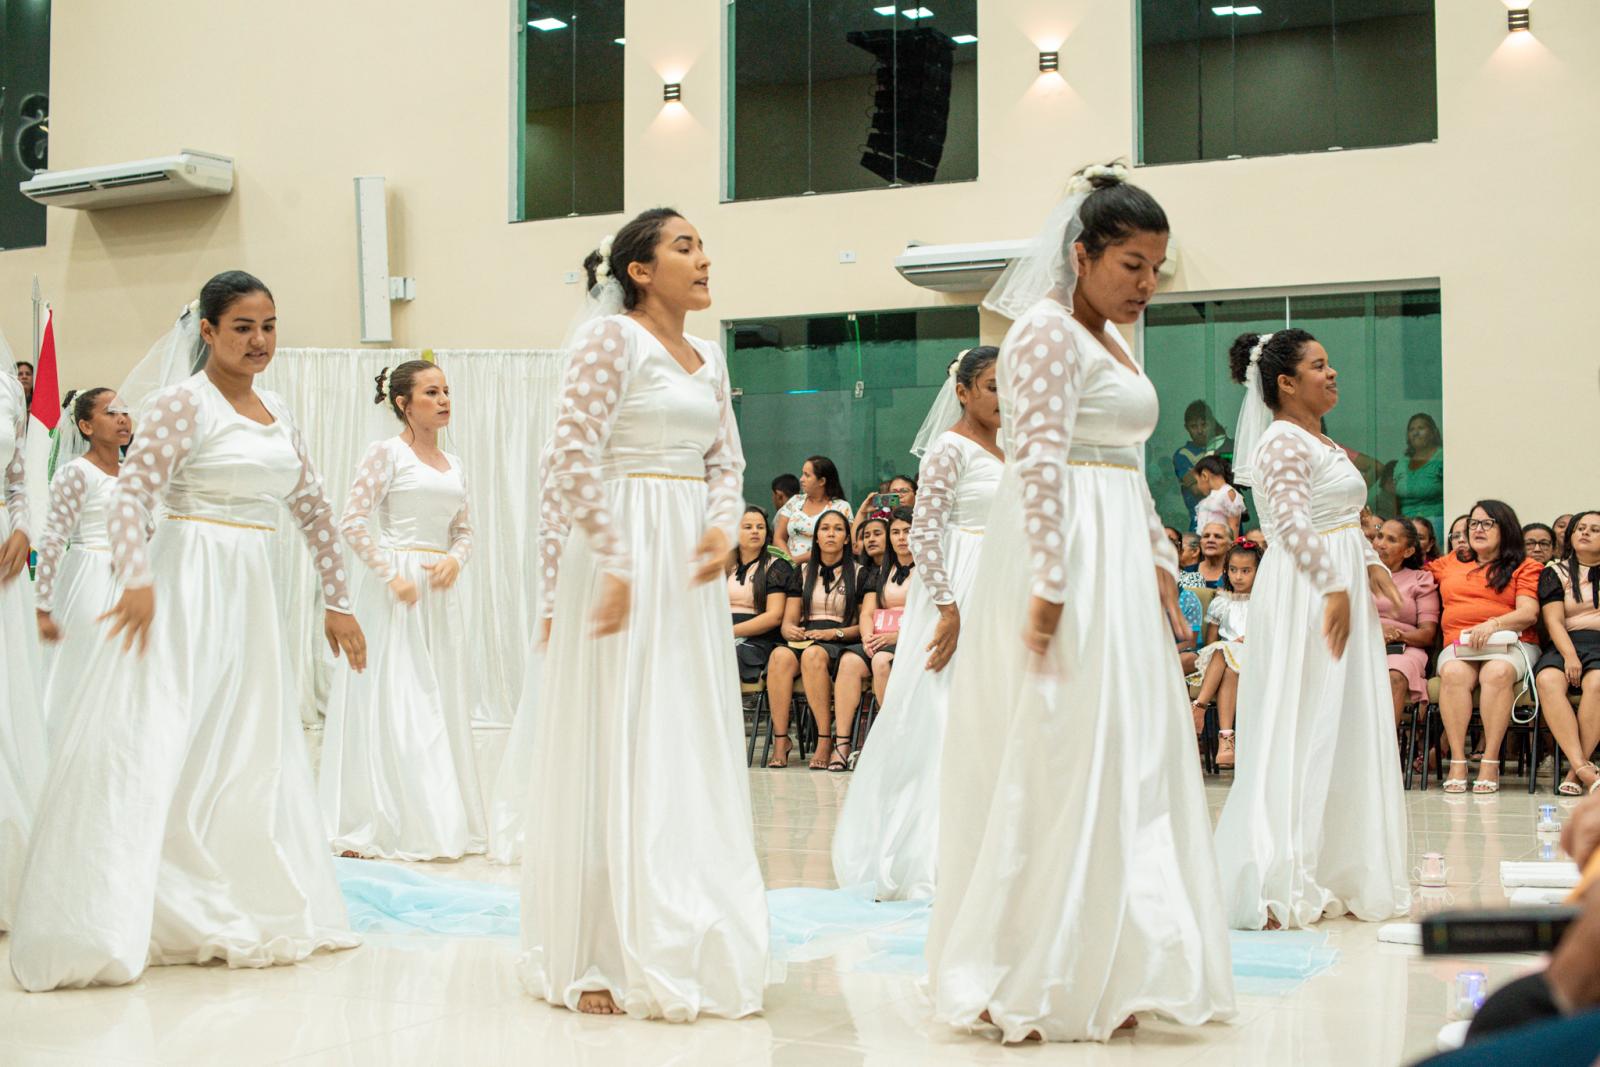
(165, 439)
(591, 395)
(67, 495)
(1047, 375)
(724, 462)
(16, 476)
(553, 527)
(313, 513)
(374, 475)
(461, 524)
(1286, 479)
(936, 487)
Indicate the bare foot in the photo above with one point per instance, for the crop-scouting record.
(598, 1003)
(350, 854)
(1129, 1024)
(1033, 1035)
(1272, 922)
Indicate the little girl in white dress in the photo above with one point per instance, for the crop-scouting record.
(1222, 659)
(1222, 502)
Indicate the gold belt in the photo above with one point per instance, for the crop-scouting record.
(1340, 529)
(222, 522)
(971, 530)
(421, 548)
(670, 477)
(1098, 463)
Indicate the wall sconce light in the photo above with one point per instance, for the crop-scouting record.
(672, 91)
(1518, 18)
(1049, 62)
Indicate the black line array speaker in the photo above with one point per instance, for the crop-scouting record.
(910, 104)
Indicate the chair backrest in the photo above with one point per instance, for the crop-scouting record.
(1204, 596)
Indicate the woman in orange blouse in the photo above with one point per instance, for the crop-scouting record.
(1487, 586)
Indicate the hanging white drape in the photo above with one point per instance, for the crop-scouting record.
(503, 409)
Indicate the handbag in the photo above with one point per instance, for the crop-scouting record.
(1500, 643)
(887, 620)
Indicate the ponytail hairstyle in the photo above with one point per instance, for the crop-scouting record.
(971, 364)
(634, 243)
(83, 406)
(823, 468)
(1280, 355)
(846, 566)
(1240, 548)
(401, 381)
(1216, 465)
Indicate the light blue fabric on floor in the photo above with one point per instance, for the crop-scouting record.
(807, 924)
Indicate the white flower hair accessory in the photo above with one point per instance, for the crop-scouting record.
(1083, 181)
(603, 270)
(1261, 343)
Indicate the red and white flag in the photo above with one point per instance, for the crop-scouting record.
(43, 415)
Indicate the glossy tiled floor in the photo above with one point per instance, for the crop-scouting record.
(437, 1000)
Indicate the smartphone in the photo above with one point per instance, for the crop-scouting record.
(889, 500)
(1529, 929)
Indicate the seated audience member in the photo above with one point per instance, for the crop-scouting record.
(882, 603)
(1539, 541)
(1221, 502)
(820, 492)
(1257, 536)
(1560, 527)
(821, 614)
(1411, 627)
(899, 491)
(1215, 540)
(757, 588)
(1222, 658)
(1458, 535)
(784, 486)
(1488, 587)
(1175, 537)
(1569, 599)
(1370, 524)
(1194, 615)
(871, 542)
(1427, 537)
(1189, 552)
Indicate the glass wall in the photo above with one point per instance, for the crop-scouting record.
(24, 116)
(570, 102)
(854, 388)
(832, 95)
(1218, 81)
(1386, 347)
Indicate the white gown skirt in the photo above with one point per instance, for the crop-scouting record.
(1315, 823)
(22, 743)
(86, 589)
(1232, 653)
(179, 821)
(640, 874)
(888, 831)
(1077, 883)
(399, 779)
(508, 803)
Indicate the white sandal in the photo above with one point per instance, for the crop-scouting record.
(1481, 786)
(1455, 785)
(1574, 786)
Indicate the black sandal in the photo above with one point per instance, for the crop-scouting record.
(840, 760)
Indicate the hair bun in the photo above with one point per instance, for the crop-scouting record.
(1239, 355)
(382, 377)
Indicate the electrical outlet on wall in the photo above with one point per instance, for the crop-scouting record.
(847, 257)
(571, 277)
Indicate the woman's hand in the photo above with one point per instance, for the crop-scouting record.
(1393, 636)
(13, 556)
(443, 572)
(611, 610)
(791, 632)
(404, 591)
(345, 636)
(1336, 621)
(1571, 666)
(1168, 585)
(48, 630)
(130, 616)
(544, 631)
(709, 556)
(1381, 582)
(1043, 620)
(1478, 637)
(945, 636)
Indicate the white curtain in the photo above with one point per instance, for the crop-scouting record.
(503, 409)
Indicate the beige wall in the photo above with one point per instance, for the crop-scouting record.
(309, 94)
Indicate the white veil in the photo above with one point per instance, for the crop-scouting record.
(602, 300)
(8, 362)
(1048, 263)
(945, 413)
(178, 355)
(1254, 418)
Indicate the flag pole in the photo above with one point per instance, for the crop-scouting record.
(37, 338)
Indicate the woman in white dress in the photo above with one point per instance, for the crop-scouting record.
(399, 777)
(179, 821)
(641, 892)
(1077, 884)
(1315, 823)
(888, 831)
(75, 583)
(22, 744)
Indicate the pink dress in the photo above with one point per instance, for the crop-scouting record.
(1419, 595)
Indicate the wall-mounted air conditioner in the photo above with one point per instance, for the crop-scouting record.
(965, 268)
(187, 174)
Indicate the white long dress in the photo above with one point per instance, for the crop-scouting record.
(76, 584)
(399, 778)
(888, 831)
(22, 739)
(179, 822)
(1315, 823)
(1077, 883)
(508, 803)
(639, 871)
